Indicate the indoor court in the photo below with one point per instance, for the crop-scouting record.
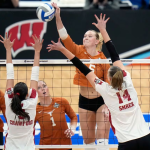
(60, 82)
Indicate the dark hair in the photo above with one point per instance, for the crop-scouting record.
(20, 92)
(116, 75)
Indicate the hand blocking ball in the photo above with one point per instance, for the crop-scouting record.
(45, 12)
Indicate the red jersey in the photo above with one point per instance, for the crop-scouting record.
(79, 51)
(53, 122)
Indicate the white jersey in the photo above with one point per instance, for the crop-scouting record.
(126, 118)
(20, 135)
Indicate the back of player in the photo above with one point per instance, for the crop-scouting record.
(20, 129)
(126, 117)
(21, 105)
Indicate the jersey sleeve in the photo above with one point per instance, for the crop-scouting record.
(2, 103)
(100, 86)
(71, 46)
(69, 111)
(127, 78)
(31, 101)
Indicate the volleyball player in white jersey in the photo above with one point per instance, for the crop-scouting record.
(21, 105)
(121, 98)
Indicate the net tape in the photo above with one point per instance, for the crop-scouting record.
(85, 61)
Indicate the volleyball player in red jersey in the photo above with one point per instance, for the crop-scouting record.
(50, 113)
(2, 108)
(91, 104)
(120, 96)
(21, 104)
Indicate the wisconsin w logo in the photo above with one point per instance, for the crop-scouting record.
(22, 31)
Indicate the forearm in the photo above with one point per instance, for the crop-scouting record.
(59, 23)
(8, 56)
(15, 3)
(105, 35)
(61, 29)
(36, 58)
(67, 53)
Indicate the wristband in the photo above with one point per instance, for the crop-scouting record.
(63, 33)
(10, 71)
(35, 73)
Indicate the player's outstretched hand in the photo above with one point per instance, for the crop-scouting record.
(55, 46)
(69, 133)
(101, 22)
(38, 43)
(57, 9)
(7, 42)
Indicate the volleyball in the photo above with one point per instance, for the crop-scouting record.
(45, 12)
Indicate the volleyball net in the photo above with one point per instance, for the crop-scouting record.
(59, 74)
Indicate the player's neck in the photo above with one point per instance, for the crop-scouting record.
(46, 101)
(92, 51)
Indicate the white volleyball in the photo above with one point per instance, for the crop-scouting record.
(45, 12)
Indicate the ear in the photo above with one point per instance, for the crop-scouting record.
(97, 42)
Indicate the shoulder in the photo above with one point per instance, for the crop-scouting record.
(60, 100)
(9, 93)
(32, 93)
(1, 94)
(101, 55)
(38, 108)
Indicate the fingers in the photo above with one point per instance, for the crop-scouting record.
(107, 19)
(52, 42)
(96, 18)
(58, 40)
(104, 17)
(13, 42)
(94, 24)
(1, 41)
(6, 35)
(2, 38)
(9, 36)
(36, 37)
(32, 44)
(33, 38)
(101, 15)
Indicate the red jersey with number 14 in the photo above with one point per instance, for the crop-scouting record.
(126, 118)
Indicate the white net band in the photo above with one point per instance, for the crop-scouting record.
(85, 61)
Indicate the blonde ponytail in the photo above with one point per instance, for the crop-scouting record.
(116, 77)
(99, 45)
(100, 38)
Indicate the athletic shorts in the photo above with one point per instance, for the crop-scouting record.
(142, 143)
(90, 104)
(1, 139)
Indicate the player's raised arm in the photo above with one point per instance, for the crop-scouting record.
(9, 65)
(60, 27)
(35, 69)
(66, 39)
(101, 25)
(77, 63)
